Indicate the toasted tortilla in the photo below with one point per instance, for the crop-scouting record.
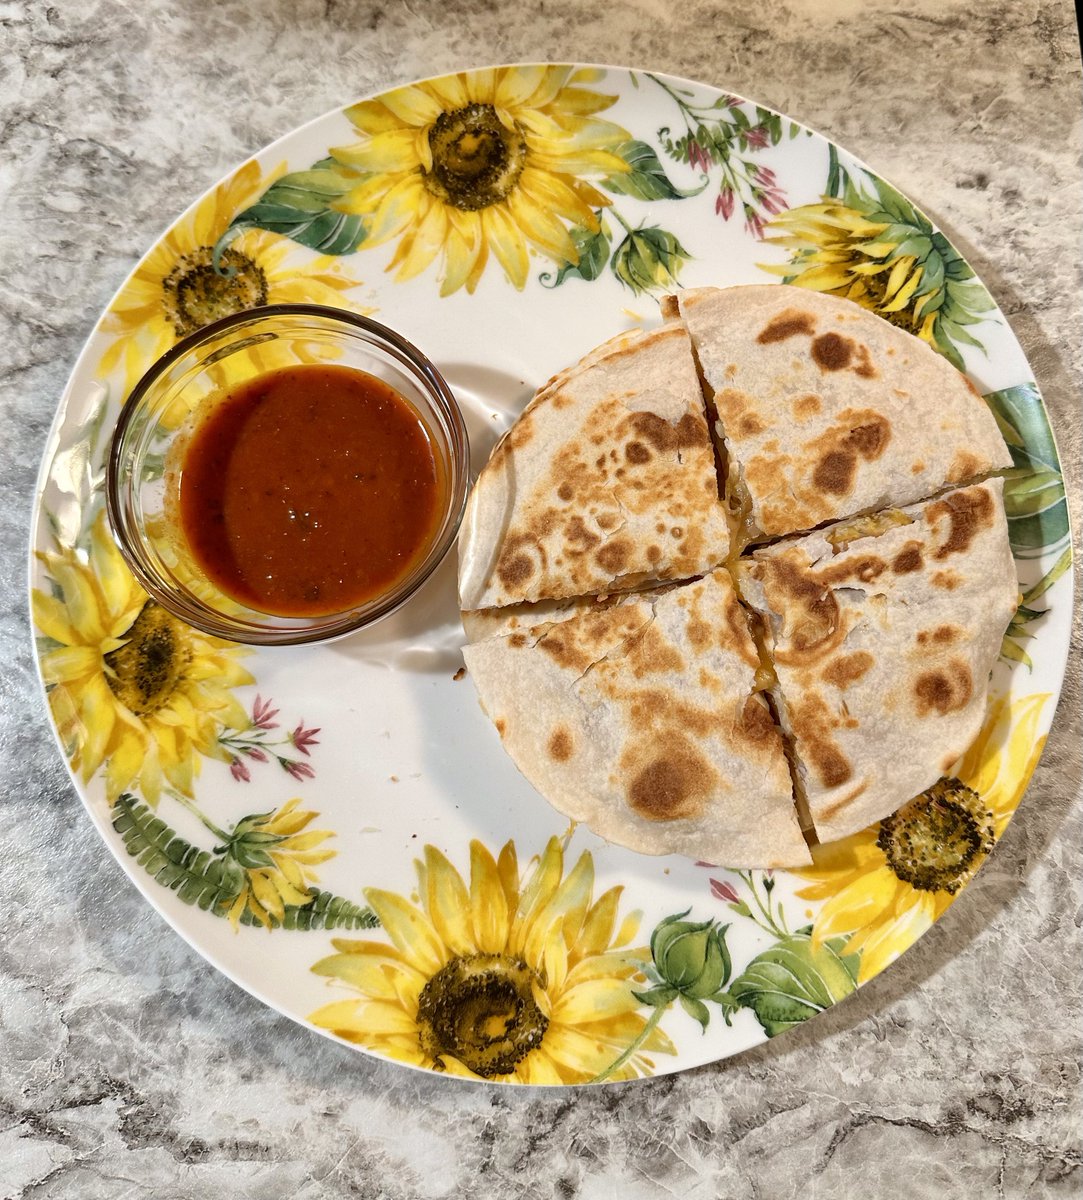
(883, 633)
(828, 410)
(607, 480)
(640, 718)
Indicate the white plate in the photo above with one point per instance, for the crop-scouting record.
(471, 965)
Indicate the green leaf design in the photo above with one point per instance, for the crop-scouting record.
(646, 179)
(793, 981)
(213, 881)
(197, 876)
(1018, 631)
(649, 259)
(327, 911)
(1034, 489)
(300, 206)
(593, 248)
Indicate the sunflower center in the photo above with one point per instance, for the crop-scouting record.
(480, 1008)
(476, 160)
(145, 671)
(196, 292)
(934, 842)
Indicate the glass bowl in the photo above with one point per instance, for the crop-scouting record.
(146, 457)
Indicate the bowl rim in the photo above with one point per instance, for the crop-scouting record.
(197, 613)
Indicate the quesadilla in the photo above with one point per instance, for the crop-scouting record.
(641, 719)
(607, 480)
(883, 632)
(827, 410)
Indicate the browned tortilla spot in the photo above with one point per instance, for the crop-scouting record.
(908, 559)
(608, 521)
(864, 366)
(835, 473)
(518, 640)
(565, 491)
(964, 466)
(750, 424)
(806, 406)
(943, 690)
(968, 513)
(579, 535)
(813, 723)
(735, 636)
(816, 622)
(832, 351)
(656, 430)
(670, 788)
(636, 452)
(560, 744)
(613, 556)
(514, 570)
(757, 723)
(501, 725)
(848, 669)
(829, 810)
(942, 635)
(790, 323)
(948, 580)
(869, 438)
(866, 568)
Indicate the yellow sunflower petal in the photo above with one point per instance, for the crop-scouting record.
(505, 240)
(858, 904)
(595, 1000)
(891, 939)
(417, 106)
(447, 903)
(364, 1019)
(488, 905)
(409, 930)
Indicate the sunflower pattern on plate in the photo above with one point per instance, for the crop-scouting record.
(478, 163)
(497, 187)
(867, 243)
(882, 888)
(519, 979)
(189, 279)
(131, 688)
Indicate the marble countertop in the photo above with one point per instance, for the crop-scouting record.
(129, 1068)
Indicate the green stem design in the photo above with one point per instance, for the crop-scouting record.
(771, 926)
(196, 811)
(612, 212)
(638, 1041)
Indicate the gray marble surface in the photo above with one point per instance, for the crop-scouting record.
(128, 1068)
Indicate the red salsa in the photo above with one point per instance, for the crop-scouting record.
(309, 490)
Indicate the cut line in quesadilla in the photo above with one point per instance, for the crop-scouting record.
(826, 410)
(882, 644)
(606, 482)
(642, 719)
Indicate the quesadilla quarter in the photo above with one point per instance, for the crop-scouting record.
(640, 718)
(607, 480)
(883, 632)
(827, 410)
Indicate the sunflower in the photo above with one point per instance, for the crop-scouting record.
(497, 979)
(478, 162)
(885, 886)
(178, 288)
(130, 686)
(277, 853)
(884, 255)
